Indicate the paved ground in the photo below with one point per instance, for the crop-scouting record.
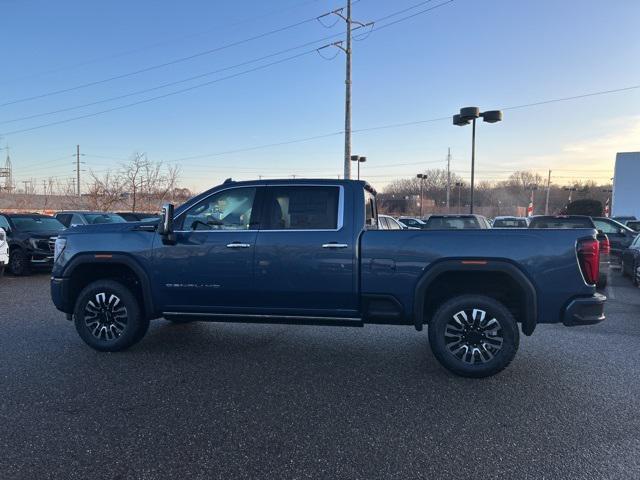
(247, 401)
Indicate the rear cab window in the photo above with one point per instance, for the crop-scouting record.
(561, 222)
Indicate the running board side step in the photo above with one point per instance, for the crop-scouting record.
(267, 319)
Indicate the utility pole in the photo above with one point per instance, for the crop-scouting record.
(347, 106)
(347, 83)
(546, 205)
(448, 177)
(77, 168)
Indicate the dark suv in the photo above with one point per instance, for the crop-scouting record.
(31, 239)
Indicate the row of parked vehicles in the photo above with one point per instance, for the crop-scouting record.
(27, 239)
(618, 236)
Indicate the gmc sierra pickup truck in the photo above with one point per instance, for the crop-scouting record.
(309, 252)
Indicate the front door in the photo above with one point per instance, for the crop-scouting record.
(210, 267)
(305, 253)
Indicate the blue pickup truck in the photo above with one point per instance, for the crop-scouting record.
(309, 252)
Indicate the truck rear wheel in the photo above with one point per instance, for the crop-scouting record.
(108, 317)
(474, 336)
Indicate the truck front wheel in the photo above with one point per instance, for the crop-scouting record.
(474, 336)
(107, 316)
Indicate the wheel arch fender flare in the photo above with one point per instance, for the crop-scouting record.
(530, 317)
(100, 258)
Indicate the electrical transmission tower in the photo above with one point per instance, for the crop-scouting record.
(6, 173)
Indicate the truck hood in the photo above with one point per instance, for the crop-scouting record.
(103, 228)
(41, 235)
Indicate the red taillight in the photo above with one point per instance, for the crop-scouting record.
(589, 258)
(605, 245)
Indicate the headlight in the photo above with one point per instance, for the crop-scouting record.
(59, 248)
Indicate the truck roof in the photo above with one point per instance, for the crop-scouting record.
(299, 181)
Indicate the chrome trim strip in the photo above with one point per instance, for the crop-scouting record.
(241, 315)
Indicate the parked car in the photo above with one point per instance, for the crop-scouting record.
(31, 239)
(138, 216)
(631, 261)
(510, 222)
(619, 235)
(456, 222)
(76, 218)
(386, 222)
(411, 222)
(633, 225)
(580, 221)
(4, 251)
(308, 252)
(624, 218)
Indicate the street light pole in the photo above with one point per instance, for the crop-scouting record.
(459, 185)
(473, 161)
(421, 179)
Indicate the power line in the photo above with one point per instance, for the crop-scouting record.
(147, 100)
(182, 81)
(384, 127)
(161, 65)
(158, 44)
(169, 84)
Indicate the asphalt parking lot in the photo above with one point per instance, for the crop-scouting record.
(254, 401)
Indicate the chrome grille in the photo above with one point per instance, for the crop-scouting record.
(52, 244)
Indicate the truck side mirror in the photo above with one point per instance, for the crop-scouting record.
(166, 224)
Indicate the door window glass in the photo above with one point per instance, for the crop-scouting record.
(76, 220)
(4, 223)
(226, 210)
(393, 224)
(303, 208)
(370, 209)
(606, 227)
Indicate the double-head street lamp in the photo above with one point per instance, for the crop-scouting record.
(469, 115)
(359, 159)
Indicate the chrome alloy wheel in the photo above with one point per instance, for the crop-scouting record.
(473, 336)
(105, 316)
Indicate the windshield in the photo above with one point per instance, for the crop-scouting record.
(37, 224)
(452, 223)
(94, 218)
(509, 223)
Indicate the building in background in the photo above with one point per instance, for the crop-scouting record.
(626, 185)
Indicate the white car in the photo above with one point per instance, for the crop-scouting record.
(4, 251)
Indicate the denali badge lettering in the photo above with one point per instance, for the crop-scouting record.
(192, 285)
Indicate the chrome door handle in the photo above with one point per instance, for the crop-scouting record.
(335, 245)
(238, 245)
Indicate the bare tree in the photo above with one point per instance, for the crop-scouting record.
(104, 192)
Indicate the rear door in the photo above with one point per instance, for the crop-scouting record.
(305, 252)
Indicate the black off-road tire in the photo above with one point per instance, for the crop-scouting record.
(19, 262)
(108, 317)
(471, 344)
